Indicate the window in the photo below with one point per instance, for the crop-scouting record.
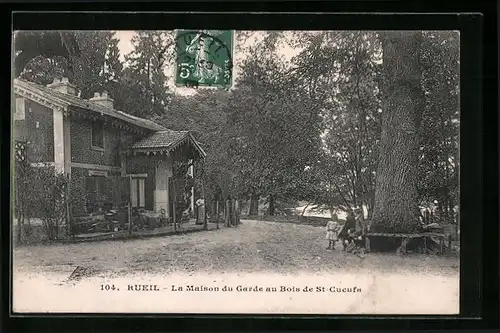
(137, 187)
(97, 135)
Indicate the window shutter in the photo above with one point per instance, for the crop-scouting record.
(141, 192)
(133, 193)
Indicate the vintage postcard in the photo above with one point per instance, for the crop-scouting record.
(227, 171)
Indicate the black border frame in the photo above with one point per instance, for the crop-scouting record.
(478, 169)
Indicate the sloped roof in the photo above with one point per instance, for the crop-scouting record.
(166, 140)
(161, 139)
(72, 100)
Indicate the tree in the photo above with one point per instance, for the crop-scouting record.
(48, 44)
(439, 151)
(274, 125)
(95, 67)
(113, 65)
(90, 67)
(396, 194)
(349, 90)
(340, 70)
(113, 73)
(145, 76)
(42, 71)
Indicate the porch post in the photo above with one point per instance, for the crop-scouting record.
(163, 171)
(19, 131)
(67, 146)
(191, 173)
(59, 140)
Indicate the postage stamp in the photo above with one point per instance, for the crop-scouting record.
(204, 58)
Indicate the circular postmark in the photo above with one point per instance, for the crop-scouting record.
(204, 58)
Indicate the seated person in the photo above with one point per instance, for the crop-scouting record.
(345, 234)
(355, 240)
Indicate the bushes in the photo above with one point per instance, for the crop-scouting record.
(41, 192)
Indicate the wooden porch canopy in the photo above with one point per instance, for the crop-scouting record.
(165, 142)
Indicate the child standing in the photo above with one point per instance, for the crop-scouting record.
(332, 232)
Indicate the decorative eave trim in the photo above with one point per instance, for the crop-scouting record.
(50, 102)
(167, 150)
(149, 151)
(179, 143)
(189, 138)
(197, 145)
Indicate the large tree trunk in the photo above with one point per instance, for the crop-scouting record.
(396, 197)
(254, 205)
(272, 205)
(229, 213)
(369, 209)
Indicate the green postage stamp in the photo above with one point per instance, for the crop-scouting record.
(204, 58)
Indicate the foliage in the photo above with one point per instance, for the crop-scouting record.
(96, 66)
(341, 70)
(439, 150)
(90, 67)
(42, 191)
(43, 70)
(274, 129)
(46, 44)
(145, 75)
(183, 184)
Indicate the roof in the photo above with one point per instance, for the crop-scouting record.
(161, 139)
(166, 140)
(65, 99)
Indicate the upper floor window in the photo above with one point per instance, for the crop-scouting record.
(98, 134)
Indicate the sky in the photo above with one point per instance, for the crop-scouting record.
(125, 46)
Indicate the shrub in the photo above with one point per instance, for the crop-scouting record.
(50, 199)
(42, 192)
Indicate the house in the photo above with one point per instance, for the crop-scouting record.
(104, 152)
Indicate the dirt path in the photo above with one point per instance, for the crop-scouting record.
(253, 247)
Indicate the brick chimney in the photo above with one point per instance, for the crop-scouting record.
(103, 99)
(63, 86)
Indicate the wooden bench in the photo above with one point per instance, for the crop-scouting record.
(405, 238)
